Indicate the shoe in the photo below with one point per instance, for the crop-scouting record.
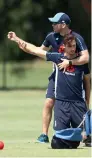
(88, 142)
(43, 138)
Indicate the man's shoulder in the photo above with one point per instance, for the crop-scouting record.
(50, 34)
(77, 35)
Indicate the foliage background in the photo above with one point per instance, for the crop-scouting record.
(29, 19)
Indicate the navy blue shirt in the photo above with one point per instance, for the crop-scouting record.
(68, 85)
(56, 41)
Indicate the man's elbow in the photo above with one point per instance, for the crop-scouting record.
(86, 56)
(87, 59)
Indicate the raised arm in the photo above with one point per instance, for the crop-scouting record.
(27, 47)
(32, 49)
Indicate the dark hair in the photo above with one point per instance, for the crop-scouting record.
(68, 39)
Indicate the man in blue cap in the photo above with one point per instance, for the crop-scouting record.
(60, 23)
(69, 105)
(60, 18)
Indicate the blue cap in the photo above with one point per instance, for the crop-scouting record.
(60, 18)
(72, 134)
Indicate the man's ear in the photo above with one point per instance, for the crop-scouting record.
(63, 25)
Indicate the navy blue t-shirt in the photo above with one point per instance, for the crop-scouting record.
(68, 85)
(56, 41)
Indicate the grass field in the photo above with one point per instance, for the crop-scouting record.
(20, 125)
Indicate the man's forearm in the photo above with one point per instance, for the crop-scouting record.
(82, 59)
(20, 42)
(27, 47)
(30, 48)
(17, 39)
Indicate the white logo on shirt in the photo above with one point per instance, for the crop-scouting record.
(57, 38)
(69, 73)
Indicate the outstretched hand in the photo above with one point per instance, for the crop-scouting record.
(12, 36)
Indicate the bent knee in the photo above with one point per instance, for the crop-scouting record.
(58, 143)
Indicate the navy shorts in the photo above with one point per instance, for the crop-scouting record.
(50, 93)
(68, 114)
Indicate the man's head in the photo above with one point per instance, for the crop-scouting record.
(70, 44)
(60, 21)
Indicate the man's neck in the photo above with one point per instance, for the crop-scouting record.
(70, 56)
(65, 32)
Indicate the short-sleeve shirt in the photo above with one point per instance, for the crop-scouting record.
(68, 85)
(56, 40)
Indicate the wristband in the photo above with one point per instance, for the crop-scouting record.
(70, 62)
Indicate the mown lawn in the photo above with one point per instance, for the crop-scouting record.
(20, 125)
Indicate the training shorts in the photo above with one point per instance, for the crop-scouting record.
(68, 114)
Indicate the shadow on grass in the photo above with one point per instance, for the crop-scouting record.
(22, 88)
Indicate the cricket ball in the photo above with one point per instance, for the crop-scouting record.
(1, 145)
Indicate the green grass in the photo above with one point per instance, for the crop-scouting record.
(29, 74)
(21, 123)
